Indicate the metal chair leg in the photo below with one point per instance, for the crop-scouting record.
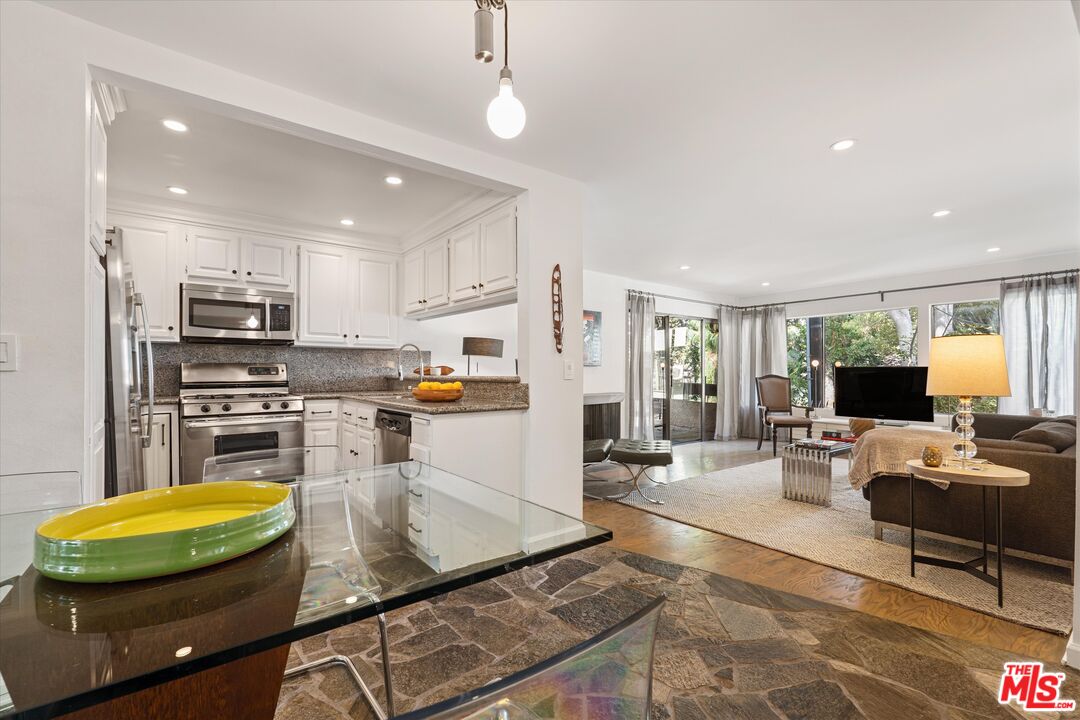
(636, 488)
(345, 662)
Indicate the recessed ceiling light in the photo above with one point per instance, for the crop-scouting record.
(347, 222)
(393, 180)
(994, 249)
(174, 125)
(940, 213)
(845, 144)
(684, 267)
(177, 189)
(766, 284)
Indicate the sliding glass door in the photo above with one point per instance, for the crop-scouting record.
(684, 378)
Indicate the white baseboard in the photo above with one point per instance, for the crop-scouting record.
(1072, 652)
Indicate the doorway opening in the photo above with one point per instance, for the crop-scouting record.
(684, 378)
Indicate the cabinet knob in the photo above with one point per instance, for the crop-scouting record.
(473, 287)
(356, 336)
(481, 284)
(249, 273)
(346, 336)
(234, 272)
(170, 328)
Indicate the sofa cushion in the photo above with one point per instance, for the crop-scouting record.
(1058, 435)
(982, 443)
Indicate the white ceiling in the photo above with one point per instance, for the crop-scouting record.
(231, 166)
(702, 129)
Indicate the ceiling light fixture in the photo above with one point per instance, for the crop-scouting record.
(841, 145)
(993, 249)
(174, 125)
(393, 180)
(177, 190)
(347, 222)
(684, 267)
(505, 114)
(940, 213)
(766, 284)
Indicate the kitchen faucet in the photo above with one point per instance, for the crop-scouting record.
(419, 352)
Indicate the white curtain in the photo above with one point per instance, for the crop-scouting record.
(1038, 323)
(752, 343)
(640, 328)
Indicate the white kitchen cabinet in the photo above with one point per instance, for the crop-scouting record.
(324, 301)
(412, 266)
(94, 473)
(349, 458)
(464, 247)
(365, 448)
(213, 255)
(98, 178)
(484, 447)
(157, 459)
(267, 262)
(321, 447)
(373, 319)
(152, 249)
(498, 251)
(436, 279)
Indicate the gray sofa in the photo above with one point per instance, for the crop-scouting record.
(1037, 519)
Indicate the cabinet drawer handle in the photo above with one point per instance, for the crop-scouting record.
(321, 412)
(416, 494)
(415, 529)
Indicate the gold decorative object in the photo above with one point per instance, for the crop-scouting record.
(932, 456)
(858, 426)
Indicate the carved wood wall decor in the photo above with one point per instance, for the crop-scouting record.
(557, 307)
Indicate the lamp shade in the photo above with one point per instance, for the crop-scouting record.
(968, 365)
(484, 347)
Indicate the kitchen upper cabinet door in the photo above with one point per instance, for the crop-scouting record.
(324, 295)
(374, 321)
(413, 280)
(268, 262)
(213, 255)
(151, 247)
(465, 263)
(436, 280)
(98, 176)
(498, 251)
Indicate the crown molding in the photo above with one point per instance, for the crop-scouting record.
(193, 214)
(457, 215)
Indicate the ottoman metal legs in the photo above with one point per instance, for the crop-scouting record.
(645, 454)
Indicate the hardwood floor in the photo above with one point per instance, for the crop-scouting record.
(670, 540)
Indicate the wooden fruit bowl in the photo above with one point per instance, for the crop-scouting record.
(438, 395)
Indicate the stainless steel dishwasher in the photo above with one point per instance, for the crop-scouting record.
(393, 431)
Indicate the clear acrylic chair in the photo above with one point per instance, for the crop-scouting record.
(274, 465)
(612, 670)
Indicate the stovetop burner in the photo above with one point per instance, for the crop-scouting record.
(268, 395)
(220, 396)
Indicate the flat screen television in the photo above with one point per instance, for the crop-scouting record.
(884, 393)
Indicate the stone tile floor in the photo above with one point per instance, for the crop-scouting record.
(725, 648)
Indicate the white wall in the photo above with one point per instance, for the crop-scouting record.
(607, 294)
(922, 299)
(442, 336)
(43, 93)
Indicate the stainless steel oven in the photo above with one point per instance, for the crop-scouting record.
(228, 408)
(237, 315)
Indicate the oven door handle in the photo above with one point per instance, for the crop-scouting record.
(246, 420)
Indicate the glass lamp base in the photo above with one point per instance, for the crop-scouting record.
(963, 447)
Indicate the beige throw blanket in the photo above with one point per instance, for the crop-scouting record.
(885, 451)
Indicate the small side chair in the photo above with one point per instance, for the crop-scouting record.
(775, 409)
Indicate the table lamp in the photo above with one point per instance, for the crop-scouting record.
(484, 347)
(967, 366)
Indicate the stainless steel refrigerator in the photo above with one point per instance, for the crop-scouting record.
(130, 406)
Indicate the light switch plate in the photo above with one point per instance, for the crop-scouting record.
(9, 352)
(568, 370)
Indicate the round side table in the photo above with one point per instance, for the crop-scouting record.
(986, 476)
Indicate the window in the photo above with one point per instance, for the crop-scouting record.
(797, 361)
(980, 317)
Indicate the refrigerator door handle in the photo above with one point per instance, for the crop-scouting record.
(146, 435)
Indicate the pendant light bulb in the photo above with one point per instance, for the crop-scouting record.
(506, 114)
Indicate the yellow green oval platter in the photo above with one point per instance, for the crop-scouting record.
(162, 531)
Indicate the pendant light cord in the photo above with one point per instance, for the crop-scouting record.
(506, 35)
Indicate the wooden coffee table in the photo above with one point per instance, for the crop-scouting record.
(985, 475)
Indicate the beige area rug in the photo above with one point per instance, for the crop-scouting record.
(745, 503)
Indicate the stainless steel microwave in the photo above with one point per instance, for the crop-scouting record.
(237, 315)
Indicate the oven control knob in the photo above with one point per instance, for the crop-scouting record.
(285, 406)
(205, 408)
(266, 406)
(226, 407)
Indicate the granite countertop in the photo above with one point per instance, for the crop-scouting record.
(468, 378)
(404, 402)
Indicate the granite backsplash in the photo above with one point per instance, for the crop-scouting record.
(311, 369)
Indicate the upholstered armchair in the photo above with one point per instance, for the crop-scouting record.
(775, 409)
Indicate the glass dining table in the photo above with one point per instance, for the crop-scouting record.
(365, 542)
